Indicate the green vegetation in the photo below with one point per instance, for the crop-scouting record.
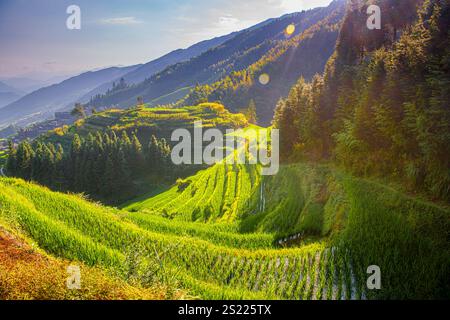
(379, 113)
(229, 72)
(28, 273)
(3, 157)
(70, 227)
(374, 223)
(110, 164)
(284, 63)
(102, 165)
(345, 224)
(381, 108)
(145, 122)
(220, 193)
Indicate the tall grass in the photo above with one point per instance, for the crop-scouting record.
(345, 225)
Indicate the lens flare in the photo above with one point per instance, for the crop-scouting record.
(264, 79)
(290, 29)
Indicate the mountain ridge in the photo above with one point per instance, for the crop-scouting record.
(246, 48)
(43, 102)
(148, 69)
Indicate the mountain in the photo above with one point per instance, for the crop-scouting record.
(171, 77)
(28, 84)
(147, 70)
(8, 94)
(96, 82)
(145, 122)
(238, 53)
(382, 106)
(8, 97)
(6, 88)
(303, 55)
(177, 56)
(44, 102)
(313, 231)
(8, 131)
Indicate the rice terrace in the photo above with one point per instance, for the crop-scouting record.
(347, 196)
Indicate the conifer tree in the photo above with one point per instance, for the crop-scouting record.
(136, 154)
(11, 164)
(251, 113)
(25, 156)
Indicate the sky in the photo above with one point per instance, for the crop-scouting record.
(36, 43)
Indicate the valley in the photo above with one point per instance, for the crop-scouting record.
(358, 207)
(239, 242)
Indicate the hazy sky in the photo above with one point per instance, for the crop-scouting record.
(34, 39)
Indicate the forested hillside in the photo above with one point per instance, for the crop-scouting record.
(249, 47)
(304, 54)
(382, 106)
(114, 155)
(364, 180)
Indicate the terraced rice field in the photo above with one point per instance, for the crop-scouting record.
(220, 194)
(219, 242)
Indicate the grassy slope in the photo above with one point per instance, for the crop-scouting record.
(27, 273)
(346, 224)
(406, 237)
(147, 121)
(70, 227)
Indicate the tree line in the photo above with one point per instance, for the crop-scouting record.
(103, 164)
(379, 111)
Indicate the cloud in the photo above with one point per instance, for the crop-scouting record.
(200, 22)
(123, 21)
(299, 5)
(292, 5)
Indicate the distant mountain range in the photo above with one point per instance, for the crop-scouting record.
(42, 103)
(261, 45)
(28, 84)
(303, 54)
(147, 70)
(8, 94)
(171, 78)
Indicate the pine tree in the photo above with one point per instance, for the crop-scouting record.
(38, 164)
(108, 180)
(59, 174)
(136, 155)
(251, 113)
(75, 162)
(11, 164)
(25, 157)
(152, 155)
(123, 180)
(125, 142)
(48, 164)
